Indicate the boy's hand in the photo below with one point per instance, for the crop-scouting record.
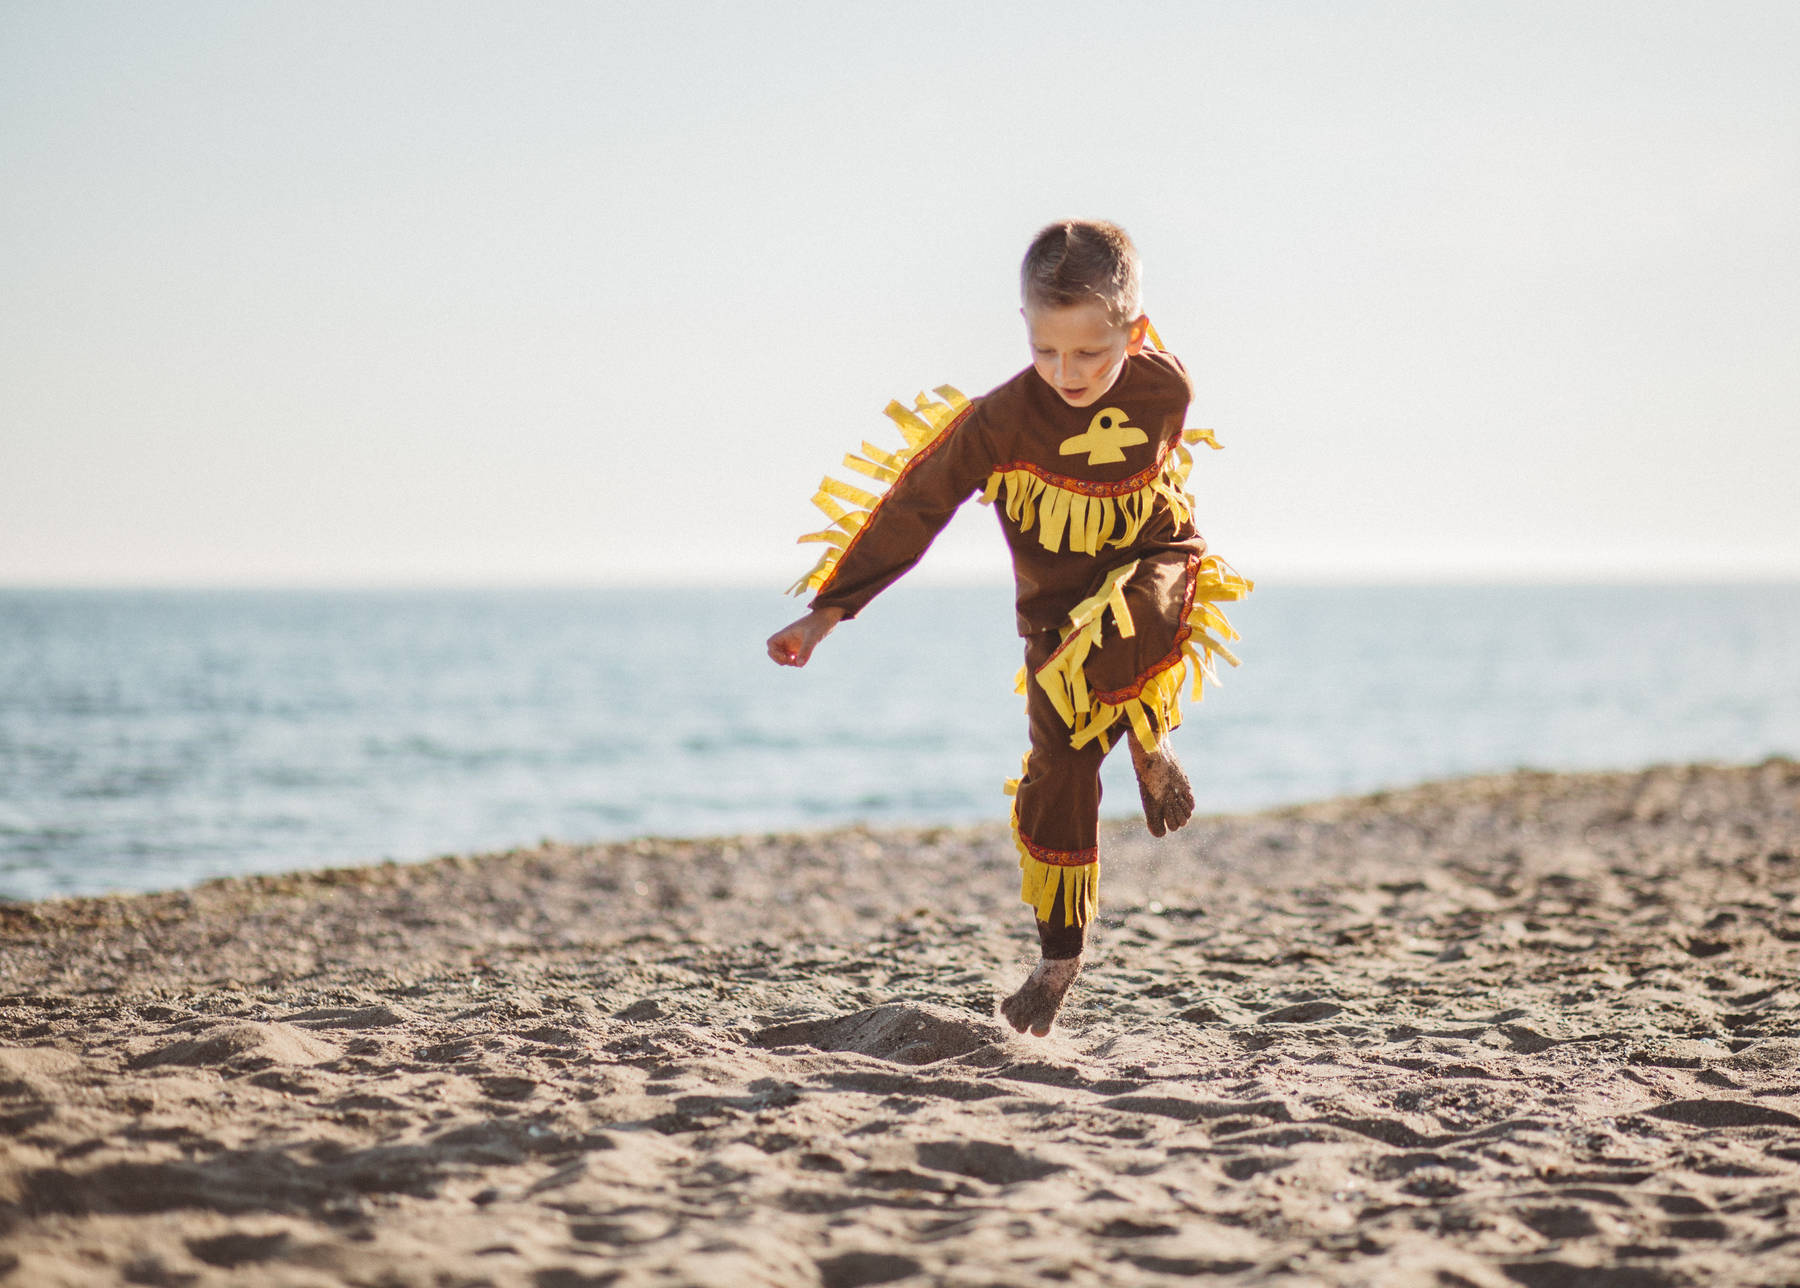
(794, 643)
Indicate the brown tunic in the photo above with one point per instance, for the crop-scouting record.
(1107, 455)
(1114, 588)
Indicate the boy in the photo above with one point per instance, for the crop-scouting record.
(1115, 591)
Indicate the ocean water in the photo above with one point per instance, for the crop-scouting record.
(152, 739)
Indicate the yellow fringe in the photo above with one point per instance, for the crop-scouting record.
(922, 424)
(1064, 678)
(1156, 710)
(1089, 524)
(1040, 883)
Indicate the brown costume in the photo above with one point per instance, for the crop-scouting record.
(1115, 590)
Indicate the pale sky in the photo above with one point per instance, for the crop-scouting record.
(352, 293)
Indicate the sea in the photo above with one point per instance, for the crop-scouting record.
(153, 739)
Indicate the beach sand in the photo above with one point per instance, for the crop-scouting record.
(1532, 1029)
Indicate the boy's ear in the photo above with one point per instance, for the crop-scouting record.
(1135, 333)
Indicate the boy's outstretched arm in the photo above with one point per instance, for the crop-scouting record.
(794, 643)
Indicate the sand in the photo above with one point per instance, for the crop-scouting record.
(1532, 1029)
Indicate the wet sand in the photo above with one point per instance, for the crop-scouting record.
(1530, 1029)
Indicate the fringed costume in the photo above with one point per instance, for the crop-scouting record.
(1117, 598)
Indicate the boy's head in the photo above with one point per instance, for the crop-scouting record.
(1079, 284)
(1081, 260)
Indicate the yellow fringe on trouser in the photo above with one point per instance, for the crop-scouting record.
(1153, 706)
(1043, 885)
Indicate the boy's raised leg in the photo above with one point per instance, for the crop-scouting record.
(1162, 786)
(1040, 997)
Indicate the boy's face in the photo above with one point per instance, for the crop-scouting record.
(1079, 350)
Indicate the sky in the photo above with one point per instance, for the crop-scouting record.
(332, 293)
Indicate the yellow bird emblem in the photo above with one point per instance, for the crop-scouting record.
(1105, 438)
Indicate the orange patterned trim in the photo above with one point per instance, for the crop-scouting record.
(881, 500)
(1060, 858)
(1118, 697)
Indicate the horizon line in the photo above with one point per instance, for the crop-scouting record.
(1298, 580)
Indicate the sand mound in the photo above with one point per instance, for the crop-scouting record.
(903, 1032)
(225, 1044)
(33, 1071)
(360, 1017)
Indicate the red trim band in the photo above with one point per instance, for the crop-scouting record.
(1060, 858)
(1116, 697)
(1124, 487)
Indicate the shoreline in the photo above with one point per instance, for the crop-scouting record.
(1118, 827)
(1508, 1029)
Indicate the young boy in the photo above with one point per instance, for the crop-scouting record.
(1084, 453)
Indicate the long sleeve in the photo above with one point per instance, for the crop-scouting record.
(907, 518)
(1077, 490)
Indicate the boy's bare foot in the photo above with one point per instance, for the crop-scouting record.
(1168, 798)
(1040, 997)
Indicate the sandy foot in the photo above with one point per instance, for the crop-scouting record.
(1163, 787)
(1040, 997)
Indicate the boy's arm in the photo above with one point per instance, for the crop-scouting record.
(794, 643)
(908, 517)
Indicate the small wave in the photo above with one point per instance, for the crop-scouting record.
(126, 784)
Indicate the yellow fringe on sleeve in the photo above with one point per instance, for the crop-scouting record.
(920, 425)
(1012, 784)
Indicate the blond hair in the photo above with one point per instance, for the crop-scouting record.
(1077, 260)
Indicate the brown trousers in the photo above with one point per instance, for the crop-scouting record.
(1058, 802)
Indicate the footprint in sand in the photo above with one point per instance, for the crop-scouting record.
(1565, 1274)
(985, 1160)
(230, 1251)
(860, 1269)
(626, 1227)
(1723, 1113)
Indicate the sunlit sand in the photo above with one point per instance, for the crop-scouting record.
(1491, 1032)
